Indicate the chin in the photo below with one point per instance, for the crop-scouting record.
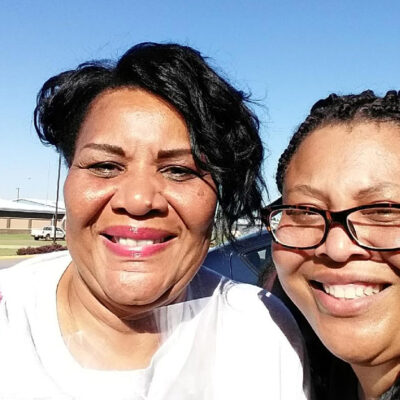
(134, 291)
(128, 289)
(349, 352)
(355, 346)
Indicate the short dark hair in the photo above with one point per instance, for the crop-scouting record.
(335, 109)
(221, 126)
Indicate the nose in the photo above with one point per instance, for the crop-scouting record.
(339, 247)
(138, 194)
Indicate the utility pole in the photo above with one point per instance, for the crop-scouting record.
(18, 193)
(58, 190)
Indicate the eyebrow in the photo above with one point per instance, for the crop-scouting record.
(377, 189)
(165, 154)
(108, 148)
(162, 154)
(306, 189)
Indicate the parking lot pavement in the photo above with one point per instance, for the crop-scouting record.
(6, 262)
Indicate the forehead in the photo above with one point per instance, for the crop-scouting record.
(128, 97)
(346, 157)
(132, 113)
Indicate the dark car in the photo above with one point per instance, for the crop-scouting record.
(248, 260)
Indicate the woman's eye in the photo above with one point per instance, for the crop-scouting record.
(382, 214)
(302, 217)
(179, 173)
(105, 169)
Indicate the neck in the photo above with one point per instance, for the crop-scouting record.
(96, 336)
(377, 379)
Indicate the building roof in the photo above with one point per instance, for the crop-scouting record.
(40, 202)
(20, 206)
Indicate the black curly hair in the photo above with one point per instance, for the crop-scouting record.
(223, 130)
(335, 109)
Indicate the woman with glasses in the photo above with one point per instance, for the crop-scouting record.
(336, 243)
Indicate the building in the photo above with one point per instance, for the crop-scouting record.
(22, 215)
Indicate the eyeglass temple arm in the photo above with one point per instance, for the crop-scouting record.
(266, 210)
(277, 202)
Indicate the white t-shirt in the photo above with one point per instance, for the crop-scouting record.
(227, 341)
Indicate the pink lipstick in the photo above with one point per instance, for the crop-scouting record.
(135, 242)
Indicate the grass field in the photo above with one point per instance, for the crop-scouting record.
(7, 252)
(11, 242)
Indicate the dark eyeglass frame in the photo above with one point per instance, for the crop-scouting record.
(331, 218)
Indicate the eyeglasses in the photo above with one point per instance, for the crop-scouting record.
(373, 226)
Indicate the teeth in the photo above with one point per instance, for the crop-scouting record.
(351, 291)
(368, 291)
(359, 291)
(339, 292)
(135, 243)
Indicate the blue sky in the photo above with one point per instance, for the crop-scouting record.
(288, 54)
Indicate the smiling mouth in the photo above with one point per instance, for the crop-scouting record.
(133, 243)
(349, 291)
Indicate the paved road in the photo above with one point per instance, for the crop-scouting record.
(8, 262)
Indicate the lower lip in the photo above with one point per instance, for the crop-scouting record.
(345, 307)
(145, 251)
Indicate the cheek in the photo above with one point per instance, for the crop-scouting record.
(287, 261)
(84, 200)
(291, 270)
(393, 260)
(196, 208)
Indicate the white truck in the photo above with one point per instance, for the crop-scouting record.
(47, 233)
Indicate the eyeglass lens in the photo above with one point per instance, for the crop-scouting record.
(372, 227)
(376, 227)
(297, 228)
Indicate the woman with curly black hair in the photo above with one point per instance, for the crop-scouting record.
(153, 143)
(337, 241)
